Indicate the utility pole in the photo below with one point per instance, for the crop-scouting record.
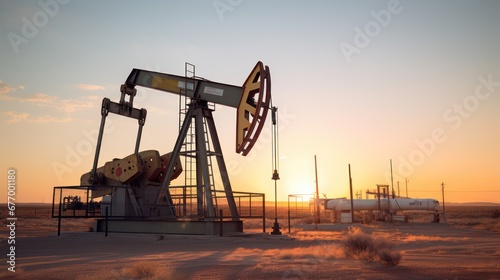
(398, 190)
(317, 213)
(406, 181)
(392, 181)
(389, 197)
(444, 209)
(352, 202)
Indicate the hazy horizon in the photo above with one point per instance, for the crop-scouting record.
(356, 82)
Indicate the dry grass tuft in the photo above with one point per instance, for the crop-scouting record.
(141, 270)
(488, 224)
(388, 257)
(150, 271)
(301, 235)
(363, 246)
(360, 245)
(323, 251)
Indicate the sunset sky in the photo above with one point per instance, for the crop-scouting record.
(356, 82)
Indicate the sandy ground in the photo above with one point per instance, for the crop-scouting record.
(430, 251)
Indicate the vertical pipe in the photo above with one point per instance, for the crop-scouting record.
(87, 204)
(288, 213)
(275, 165)
(263, 212)
(106, 223)
(378, 197)
(389, 198)
(59, 220)
(316, 203)
(184, 201)
(392, 181)
(221, 227)
(444, 209)
(53, 201)
(406, 183)
(289, 221)
(275, 201)
(352, 202)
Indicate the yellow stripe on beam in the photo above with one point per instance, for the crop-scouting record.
(165, 84)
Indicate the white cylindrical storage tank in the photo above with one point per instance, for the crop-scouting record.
(358, 204)
(407, 204)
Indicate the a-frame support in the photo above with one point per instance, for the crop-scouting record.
(200, 113)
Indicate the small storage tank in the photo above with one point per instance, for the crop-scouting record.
(106, 203)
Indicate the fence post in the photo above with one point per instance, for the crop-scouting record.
(59, 220)
(264, 213)
(106, 223)
(221, 226)
(288, 220)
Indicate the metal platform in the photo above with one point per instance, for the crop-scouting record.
(170, 227)
(78, 202)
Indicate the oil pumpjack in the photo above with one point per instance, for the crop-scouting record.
(135, 190)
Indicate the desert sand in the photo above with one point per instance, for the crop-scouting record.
(467, 250)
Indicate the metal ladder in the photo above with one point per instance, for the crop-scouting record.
(188, 149)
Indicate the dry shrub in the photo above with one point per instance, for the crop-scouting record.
(388, 257)
(357, 243)
(363, 246)
(141, 270)
(151, 271)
